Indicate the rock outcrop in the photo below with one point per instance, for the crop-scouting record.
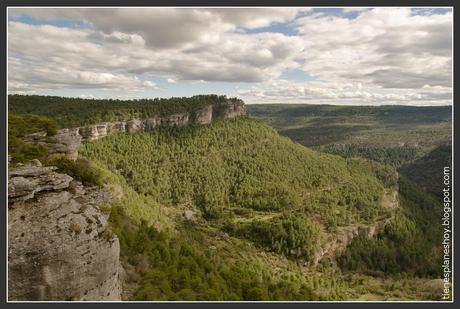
(234, 110)
(59, 244)
(339, 241)
(26, 181)
(66, 142)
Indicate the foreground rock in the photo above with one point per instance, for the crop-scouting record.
(59, 244)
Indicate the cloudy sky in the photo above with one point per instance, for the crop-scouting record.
(299, 55)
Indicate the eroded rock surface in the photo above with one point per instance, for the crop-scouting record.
(59, 244)
(64, 144)
(24, 182)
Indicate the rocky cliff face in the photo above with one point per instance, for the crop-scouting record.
(64, 144)
(59, 246)
(67, 141)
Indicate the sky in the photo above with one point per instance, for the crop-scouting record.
(350, 56)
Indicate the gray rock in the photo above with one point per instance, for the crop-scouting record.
(234, 108)
(64, 144)
(151, 123)
(190, 216)
(116, 127)
(59, 244)
(176, 120)
(203, 115)
(134, 125)
(26, 181)
(35, 163)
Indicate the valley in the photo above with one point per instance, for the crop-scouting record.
(284, 203)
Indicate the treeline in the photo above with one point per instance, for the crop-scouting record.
(407, 244)
(73, 112)
(396, 114)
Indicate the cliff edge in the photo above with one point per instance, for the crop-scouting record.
(67, 141)
(60, 247)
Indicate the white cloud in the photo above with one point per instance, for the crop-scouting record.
(384, 55)
(168, 27)
(317, 92)
(95, 56)
(353, 9)
(387, 47)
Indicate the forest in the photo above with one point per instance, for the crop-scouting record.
(265, 205)
(74, 112)
(406, 244)
(240, 163)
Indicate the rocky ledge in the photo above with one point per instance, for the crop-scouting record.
(60, 247)
(67, 141)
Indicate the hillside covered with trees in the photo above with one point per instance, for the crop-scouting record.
(234, 211)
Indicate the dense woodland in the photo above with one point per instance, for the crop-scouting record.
(179, 268)
(21, 125)
(406, 244)
(237, 164)
(428, 171)
(415, 140)
(74, 112)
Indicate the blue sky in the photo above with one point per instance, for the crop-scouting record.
(293, 55)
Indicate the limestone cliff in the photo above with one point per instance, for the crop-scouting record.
(59, 244)
(66, 142)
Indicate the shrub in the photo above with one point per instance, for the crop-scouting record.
(80, 170)
(75, 228)
(21, 125)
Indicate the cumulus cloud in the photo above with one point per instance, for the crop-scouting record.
(387, 47)
(375, 56)
(318, 92)
(233, 57)
(168, 27)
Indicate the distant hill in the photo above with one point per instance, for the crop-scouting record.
(389, 134)
(428, 171)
